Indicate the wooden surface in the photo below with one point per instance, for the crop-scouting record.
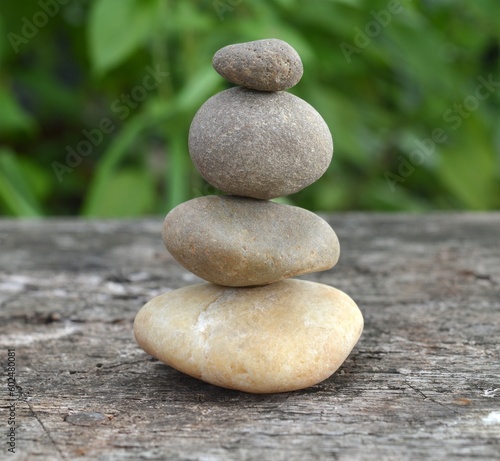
(422, 384)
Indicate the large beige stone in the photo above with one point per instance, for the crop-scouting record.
(275, 338)
(239, 241)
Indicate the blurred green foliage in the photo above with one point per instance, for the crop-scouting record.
(96, 99)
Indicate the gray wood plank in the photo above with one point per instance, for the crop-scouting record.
(423, 383)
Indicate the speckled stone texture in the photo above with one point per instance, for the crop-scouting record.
(237, 241)
(264, 65)
(261, 145)
(252, 328)
(281, 337)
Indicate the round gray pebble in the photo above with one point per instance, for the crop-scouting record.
(261, 145)
(264, 65)
(238, 241)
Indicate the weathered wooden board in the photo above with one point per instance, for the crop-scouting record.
(422, 384)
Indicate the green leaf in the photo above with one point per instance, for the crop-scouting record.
(379, 196)
(126, 193)
(3, 44)
(117, 28)
(177, 170)
(468, 168)
(355, 3)
(15, 190)
(286, 4)
(198, 89)
(40, 179)
(12, 117)
(118, 150)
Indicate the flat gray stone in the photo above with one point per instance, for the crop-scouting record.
(237, 241)
(261, 145)
(265, 65)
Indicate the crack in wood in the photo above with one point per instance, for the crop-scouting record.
(46, 431)
(425, 397)
(24, 398)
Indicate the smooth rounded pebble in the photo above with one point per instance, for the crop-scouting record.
(238, 241)
(261, 145)
(277, 338)
(264, 65)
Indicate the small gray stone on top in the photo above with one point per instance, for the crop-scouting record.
(264, 65)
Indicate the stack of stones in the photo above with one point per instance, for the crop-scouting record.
(252, 328)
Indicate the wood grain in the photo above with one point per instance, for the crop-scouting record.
(422, 384)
